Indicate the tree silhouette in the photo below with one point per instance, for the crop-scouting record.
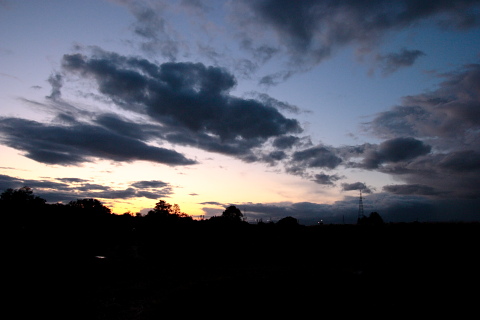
(373, 219)
(232, 213)
(165, 212)
(21, 208)
(288, 222)
(21, 197)
(161, 209)
(91, 207)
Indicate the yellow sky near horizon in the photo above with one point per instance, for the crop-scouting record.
(218, 179)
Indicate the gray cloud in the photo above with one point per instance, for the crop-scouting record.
(280, 105)
(448, 119)
(274, 156)
(75, 188)
(150, 184)
(316, 157)
(156, 33)
(356, 186)
(300, 33)
(392, 208)
(395, 150)
(391, 62)
(450, 112)
(285, 142)
(411, 189)
(56, 81)
(71, 145)
(311, 31)
(191, 102)
(325, 179)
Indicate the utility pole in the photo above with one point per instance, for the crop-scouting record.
(360, 208)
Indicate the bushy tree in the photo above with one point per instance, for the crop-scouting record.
(373, 219)
(21, 208)
(288, 222)
(232, 213)
(23, 196)
(161, 209)
(91, 207)
(166, 212)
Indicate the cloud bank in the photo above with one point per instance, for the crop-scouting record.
(300, 34)
(68, 189)
(308, 32)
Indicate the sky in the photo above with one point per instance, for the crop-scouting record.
(282, 108)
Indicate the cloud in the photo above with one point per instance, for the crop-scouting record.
(74, 144)
(213, 203)
(395, 150)
(274, 156)
(316, 157)
(411, 189)
(325, 179)
(443, 158)
(150, 184)
(155, 31)
(391, 207)
(308, 32)
(450, 112)
(356, 186)
(280, 105)
(301, 34)
(285, 142)
(56, 81)
(391, 62)
(69, 189)
(190, 101)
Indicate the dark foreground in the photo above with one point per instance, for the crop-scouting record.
(247, 270)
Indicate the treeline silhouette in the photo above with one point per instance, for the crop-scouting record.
(80, 259)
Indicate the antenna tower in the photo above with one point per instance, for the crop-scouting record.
(360, 207)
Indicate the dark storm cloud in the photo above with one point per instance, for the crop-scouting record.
(71, 145)
(391, 62)
(190, 100)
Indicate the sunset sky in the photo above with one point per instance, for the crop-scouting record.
(282, 108)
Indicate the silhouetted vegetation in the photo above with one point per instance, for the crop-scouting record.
(373, 219)
(80, 258)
